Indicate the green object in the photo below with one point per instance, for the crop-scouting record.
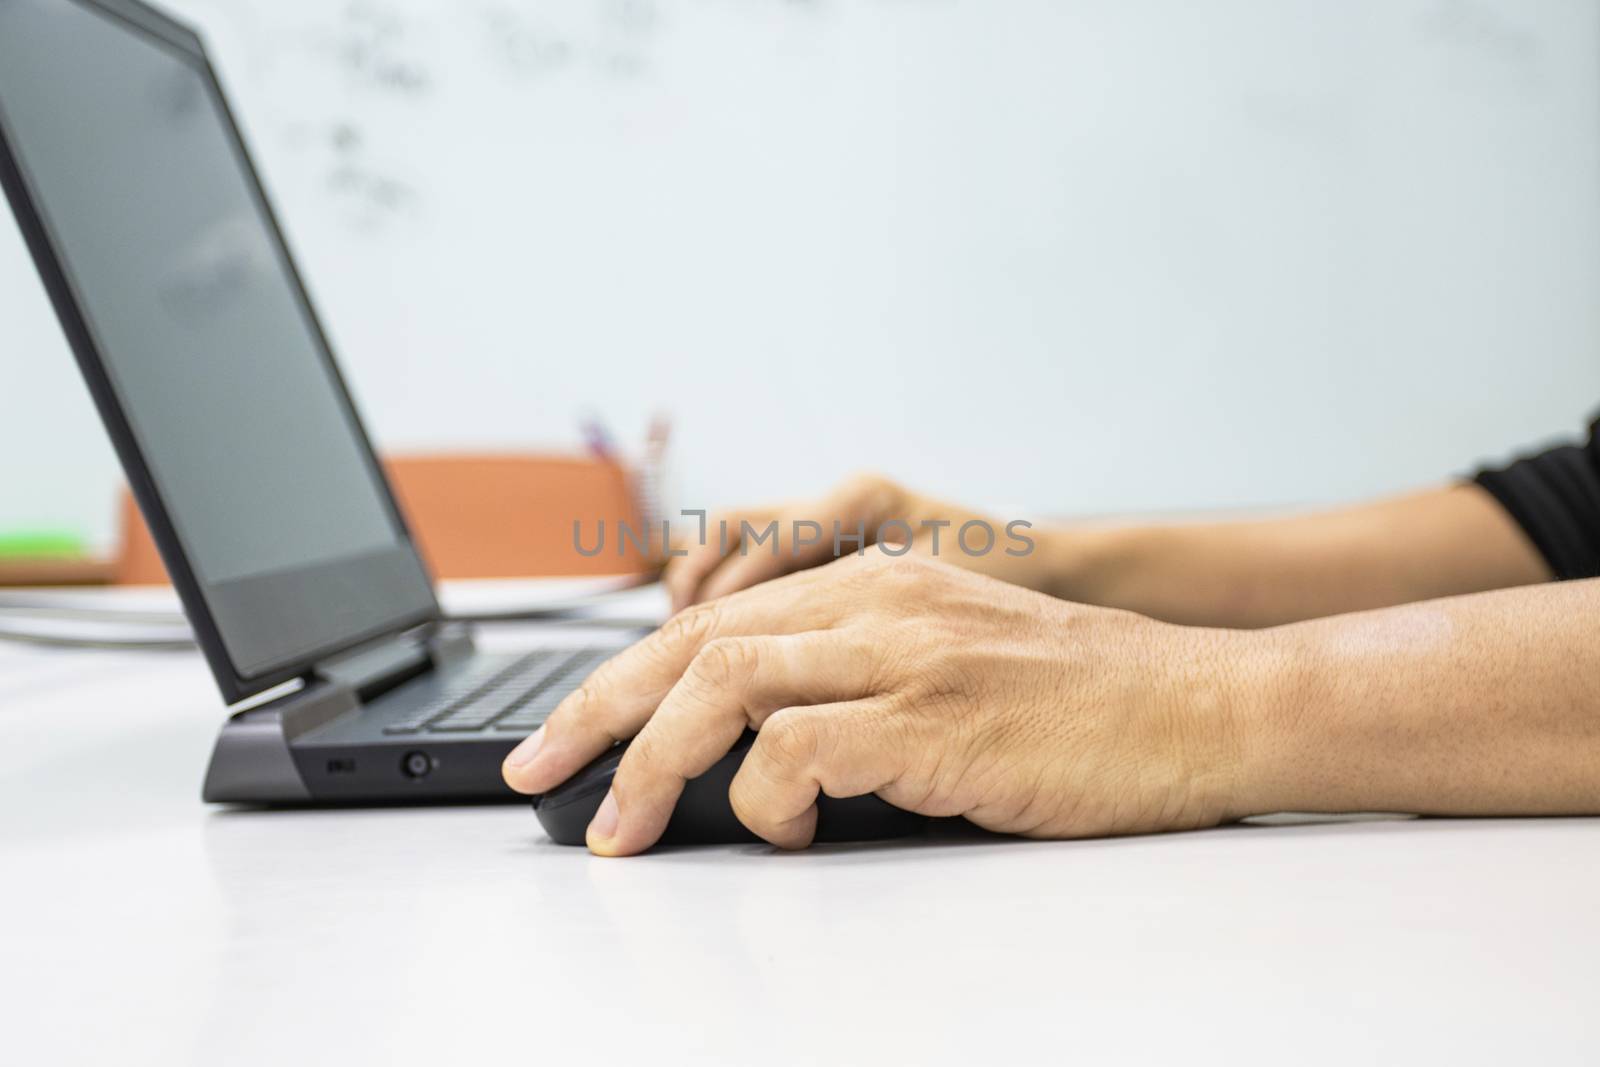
(41, 544)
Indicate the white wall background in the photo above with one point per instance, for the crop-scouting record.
(1038, 255)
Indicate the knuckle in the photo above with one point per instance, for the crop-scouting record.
(690, 627)
(916, 573)
(896, 577)
(643, 751)
(865, 481)
(789, 740)
(586, 712)
(576, 706)
(873, 493)
(868, 567)
(914, 566)
(872, 483)
(584, 699)
(586, 705)
(723, 663)
(879, 562)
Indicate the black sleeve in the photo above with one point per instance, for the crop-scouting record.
(1555, 497)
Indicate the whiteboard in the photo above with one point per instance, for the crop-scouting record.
(1044, 257)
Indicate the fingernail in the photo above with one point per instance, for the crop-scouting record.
(604, 823)
(523, 754)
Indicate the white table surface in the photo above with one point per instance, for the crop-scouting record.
(142, 926)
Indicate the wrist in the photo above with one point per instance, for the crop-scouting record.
(1089, 564)
(1267, 684)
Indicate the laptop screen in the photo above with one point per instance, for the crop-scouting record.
(198, 320)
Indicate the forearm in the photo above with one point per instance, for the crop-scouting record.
(1440, 542)
(1478, 705)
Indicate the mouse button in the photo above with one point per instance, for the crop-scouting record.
(586, 783)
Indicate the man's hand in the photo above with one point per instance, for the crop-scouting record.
(1238, 573)
(864, 503)
(942, 691)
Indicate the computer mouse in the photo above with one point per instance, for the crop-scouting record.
(704, 815)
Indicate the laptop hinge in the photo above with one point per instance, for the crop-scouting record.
(374, 668)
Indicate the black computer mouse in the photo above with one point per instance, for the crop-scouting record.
(704, 816)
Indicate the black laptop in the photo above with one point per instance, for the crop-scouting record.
(192, 327)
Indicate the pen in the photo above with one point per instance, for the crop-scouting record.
(598, 440)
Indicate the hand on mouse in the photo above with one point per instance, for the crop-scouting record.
(864, 503)
(943, 691)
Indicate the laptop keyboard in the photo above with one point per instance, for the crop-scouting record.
(517, 697)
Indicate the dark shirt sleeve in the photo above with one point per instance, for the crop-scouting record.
(1555, 497)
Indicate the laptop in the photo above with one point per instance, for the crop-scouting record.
(143, 212)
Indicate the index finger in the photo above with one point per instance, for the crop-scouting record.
(734, 683)
(616, 700)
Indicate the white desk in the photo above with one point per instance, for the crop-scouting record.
(140, 926)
